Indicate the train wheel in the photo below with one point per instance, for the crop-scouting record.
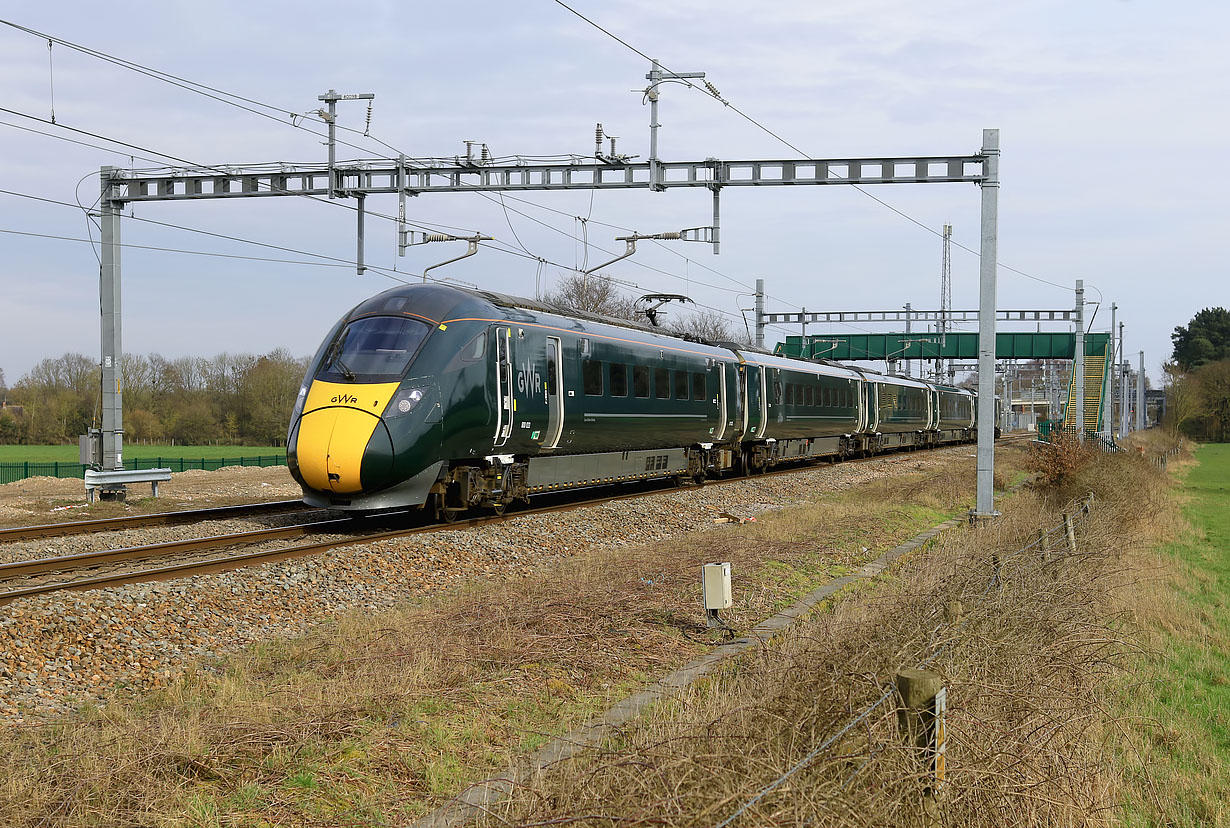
(498, 509)
(443, 513)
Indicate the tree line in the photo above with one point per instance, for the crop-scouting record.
(230, 399)
(237, 399)
(1198, 377)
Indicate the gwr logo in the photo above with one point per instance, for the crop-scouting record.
(345, 398)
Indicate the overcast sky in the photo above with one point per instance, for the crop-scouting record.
(1113, 119)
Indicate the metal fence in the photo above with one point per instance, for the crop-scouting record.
(11, 472)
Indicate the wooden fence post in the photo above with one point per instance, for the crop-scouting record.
(1070, 530)
(921, 720)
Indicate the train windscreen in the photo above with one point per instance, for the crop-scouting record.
(373, 349)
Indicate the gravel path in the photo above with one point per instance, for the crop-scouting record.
(61, 650)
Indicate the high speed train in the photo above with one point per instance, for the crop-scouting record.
(449, 399)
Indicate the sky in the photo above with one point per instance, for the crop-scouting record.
(1112, 118)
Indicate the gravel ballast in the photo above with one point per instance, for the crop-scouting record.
(62, 650)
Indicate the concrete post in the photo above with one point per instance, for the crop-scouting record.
(906, 362)
(1110, 393)
(1140, 394)
(1121, 368)
(331, 98)
(1078, 363)
(988, 257)
(655, 171)
(760, 313)
(111, 329)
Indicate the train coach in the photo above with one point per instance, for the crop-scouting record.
(446, 398)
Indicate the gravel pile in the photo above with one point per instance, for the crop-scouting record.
(61, 650)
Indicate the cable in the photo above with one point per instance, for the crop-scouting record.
(604, 31)
(712, 93)
(224, 171)
(70, 140)
(175, 250)
(340, 261)
(216, 94)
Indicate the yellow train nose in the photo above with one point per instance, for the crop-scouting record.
(336, 436)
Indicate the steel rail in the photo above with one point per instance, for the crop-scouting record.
(232, 562)
(85, 560)
(81, 527)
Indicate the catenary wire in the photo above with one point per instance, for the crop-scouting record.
(780, 138)
(198, 88)
(206, 90)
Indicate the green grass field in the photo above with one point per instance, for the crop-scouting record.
(1180, 711)
(69, 454)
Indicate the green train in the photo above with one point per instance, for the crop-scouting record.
(450, 399)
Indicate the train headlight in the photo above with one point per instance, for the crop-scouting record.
(404, 401)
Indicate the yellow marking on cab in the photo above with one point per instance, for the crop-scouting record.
(444, 327)
(338, 421)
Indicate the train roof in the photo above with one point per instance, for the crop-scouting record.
(436, 303)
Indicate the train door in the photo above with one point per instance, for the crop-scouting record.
(743, 419)
(759, 381)
(505, 407)
(753, 392)
(555, 393)
(872, 403)
(721, 402)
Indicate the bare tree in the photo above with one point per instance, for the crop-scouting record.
(1183, 397)
(709, 325)
(590, 293)
(1213, 380)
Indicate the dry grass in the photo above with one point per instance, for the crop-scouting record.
(1028, 672)
(376, 719)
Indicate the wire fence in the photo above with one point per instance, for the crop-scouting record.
(1066, 527)
(12, 472)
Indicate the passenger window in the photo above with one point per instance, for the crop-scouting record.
(681, 385)
(827, 397)
(640, 381)
(619, 379)
(591, 377)
(662, 383)
(698, 387)
(810, 394)
(790, 393)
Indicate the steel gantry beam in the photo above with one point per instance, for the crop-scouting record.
(402, 177)
(808, 317)
(388, 177)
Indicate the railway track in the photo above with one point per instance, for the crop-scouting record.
(206, 555)
(82, 527)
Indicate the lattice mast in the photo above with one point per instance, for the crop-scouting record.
(942, 326)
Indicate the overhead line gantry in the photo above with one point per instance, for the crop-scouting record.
(400, 177)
